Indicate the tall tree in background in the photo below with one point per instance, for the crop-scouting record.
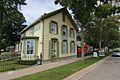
(104, 11)
(83, 11)
(11, 20)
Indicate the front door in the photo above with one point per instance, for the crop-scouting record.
(54, 49)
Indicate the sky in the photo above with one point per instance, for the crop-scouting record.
(35, 8)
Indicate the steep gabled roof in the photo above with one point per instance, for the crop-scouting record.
(47, 15)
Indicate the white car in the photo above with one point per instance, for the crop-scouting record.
(116, 53)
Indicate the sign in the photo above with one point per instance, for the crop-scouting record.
(95, 54)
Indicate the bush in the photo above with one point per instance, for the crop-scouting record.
(88, 53)
(26, 62)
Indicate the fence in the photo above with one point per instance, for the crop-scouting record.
(8, 61)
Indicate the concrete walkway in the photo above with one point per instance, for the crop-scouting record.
(34, 69)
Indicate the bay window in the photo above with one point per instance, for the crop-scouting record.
(30, 46)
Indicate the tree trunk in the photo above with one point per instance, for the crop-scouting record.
(100, 38)
(82, 42)
(1, 17)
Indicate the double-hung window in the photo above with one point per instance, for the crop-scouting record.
(72, 47)
(64, 31)
(53, 27)
(30, 46)
(72, 34)
(64, 47)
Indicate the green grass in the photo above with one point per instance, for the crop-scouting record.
(61, 72)
(5, 53)
(10, 65)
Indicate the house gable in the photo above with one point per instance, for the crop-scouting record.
(47, 15)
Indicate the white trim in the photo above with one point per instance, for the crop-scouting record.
(33, 45)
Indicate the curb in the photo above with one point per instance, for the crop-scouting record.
(78, 75)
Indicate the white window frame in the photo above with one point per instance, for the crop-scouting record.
(33, 46)
(53, 27)
(64, 29)
(72, 33)
(64, 47)
(72, 47)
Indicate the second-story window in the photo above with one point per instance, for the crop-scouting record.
(53, 27)
(32, 31)
(64, 31)
(72, 34)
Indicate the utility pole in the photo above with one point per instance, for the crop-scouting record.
(1, 17)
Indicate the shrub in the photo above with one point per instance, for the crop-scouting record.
(26, 62)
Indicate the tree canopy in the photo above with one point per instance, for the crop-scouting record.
(11, 21)
(86, 12)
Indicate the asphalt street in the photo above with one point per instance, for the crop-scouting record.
(108, 70)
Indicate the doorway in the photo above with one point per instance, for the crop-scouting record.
(53, 49)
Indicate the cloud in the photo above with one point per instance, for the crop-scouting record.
(36, 8)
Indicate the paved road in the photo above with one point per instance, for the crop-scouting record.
(108, 70)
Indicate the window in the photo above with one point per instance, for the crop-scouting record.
(72, 35)
(30, 46)
(63, 17)
(72, 47)
(32, 31)
(64, 31)
(53, 27)
(64, 47)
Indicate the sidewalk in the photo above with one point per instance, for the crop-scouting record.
(34, 69)
(80, 74)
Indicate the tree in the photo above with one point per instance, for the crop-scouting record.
(109, 33)
(105, 12)
(11, 20)
(82, 10)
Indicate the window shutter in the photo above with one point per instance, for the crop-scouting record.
(49, 49)
(73, 33)
(70, 33)
(57, 28)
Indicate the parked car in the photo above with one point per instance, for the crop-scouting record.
(116, 53)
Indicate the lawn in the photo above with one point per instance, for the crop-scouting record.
(8, 62)
(61, 72)
(10, 65)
